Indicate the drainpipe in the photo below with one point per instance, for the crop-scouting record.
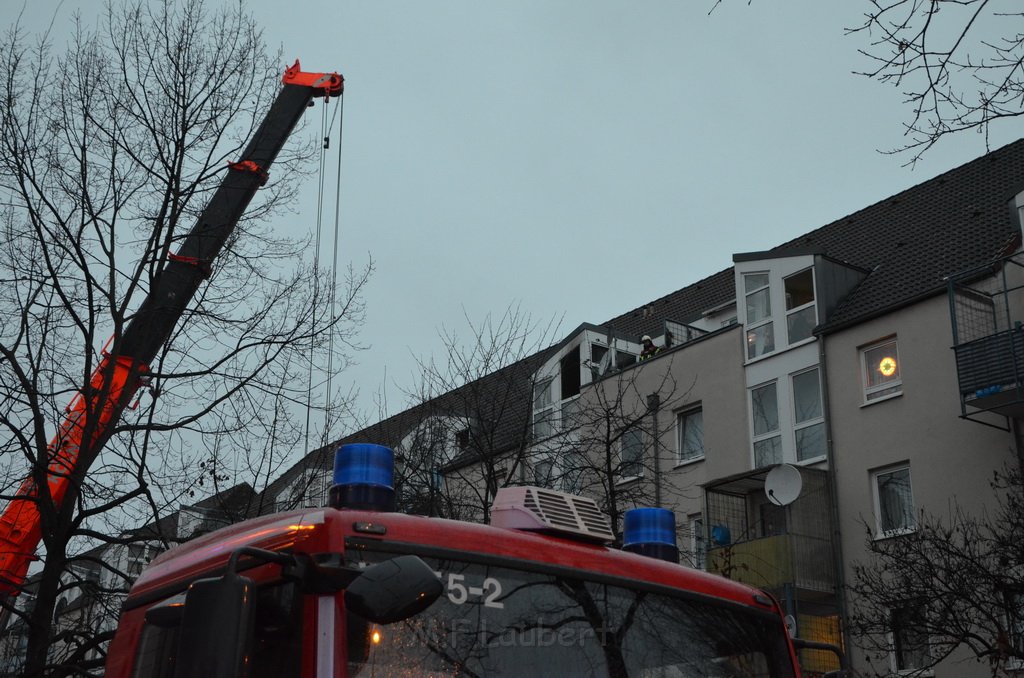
(653, 403)
(833, 482)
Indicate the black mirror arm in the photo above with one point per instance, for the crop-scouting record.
(323, 574)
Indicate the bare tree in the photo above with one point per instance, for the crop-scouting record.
(611, 448)
(110, 151)
(960, 63)
(953, 585)
(485, 419)
(472, 426)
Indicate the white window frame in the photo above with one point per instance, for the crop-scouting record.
(136, 563)
(1014, 601)
(811, 421)
(639, 433)
(877, 393)
(813, 303)
(553, 475)
(568, 414)
(698, 541)
(682, 417)
(876, 474)
(767, 435)
(894, 664)
(768, 320)
(544, 413)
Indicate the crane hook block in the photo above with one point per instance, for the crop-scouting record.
(331, 84)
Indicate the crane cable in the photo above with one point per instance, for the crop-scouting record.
(325, 129)
(340, 115)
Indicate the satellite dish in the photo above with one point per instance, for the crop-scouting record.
(790, 625)
(783, 484)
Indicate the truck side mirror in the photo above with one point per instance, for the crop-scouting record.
(215, 639)
(393, 590)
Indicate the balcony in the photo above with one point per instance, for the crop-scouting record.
(772, 547)
(785, 550)
(987, 314)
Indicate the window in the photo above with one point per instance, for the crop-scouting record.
(698, 552)
(894, 501)
(569, 373)
(801, 313)
(543, 410)
(624, 359)
(275, 636)
(881, 365)
(808, 419)
(544, 473)
(765, 415)
(760, 330)
(139, 555)
(773, 520)
(910, 638)
(690, 436)
(570, 414)
(631, 454)
(542, 394)
(1014, 599)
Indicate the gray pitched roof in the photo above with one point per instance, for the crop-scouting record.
(913, 240)
(910, 242)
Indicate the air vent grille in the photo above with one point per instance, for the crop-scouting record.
(536, 508)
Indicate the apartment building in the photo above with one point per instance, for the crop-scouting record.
(804, 403)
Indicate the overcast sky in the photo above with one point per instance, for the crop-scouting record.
(580, 158)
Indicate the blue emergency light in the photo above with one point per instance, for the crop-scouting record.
(650, 532)
(364, 478)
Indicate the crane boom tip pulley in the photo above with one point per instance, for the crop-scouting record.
(330, 84)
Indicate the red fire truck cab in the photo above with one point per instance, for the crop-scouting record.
(339, 591)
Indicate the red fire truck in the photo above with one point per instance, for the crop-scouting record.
(355, 589)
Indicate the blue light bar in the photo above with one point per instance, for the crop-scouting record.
(364, 478)
(650, 532)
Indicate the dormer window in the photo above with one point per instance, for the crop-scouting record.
(543, 409)
(760, 330)
(801, 316)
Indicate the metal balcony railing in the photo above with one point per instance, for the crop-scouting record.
(775, 562)
(987, 314)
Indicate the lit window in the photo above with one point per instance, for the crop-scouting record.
(760, 340)
(910, 638)
(894, 501)
(881, 365)
(801, 313)
(764, 407)
(690, 435)
(809, 423)
(760, 330)
(631, 454)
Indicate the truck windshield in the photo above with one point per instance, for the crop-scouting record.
(500, 621)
